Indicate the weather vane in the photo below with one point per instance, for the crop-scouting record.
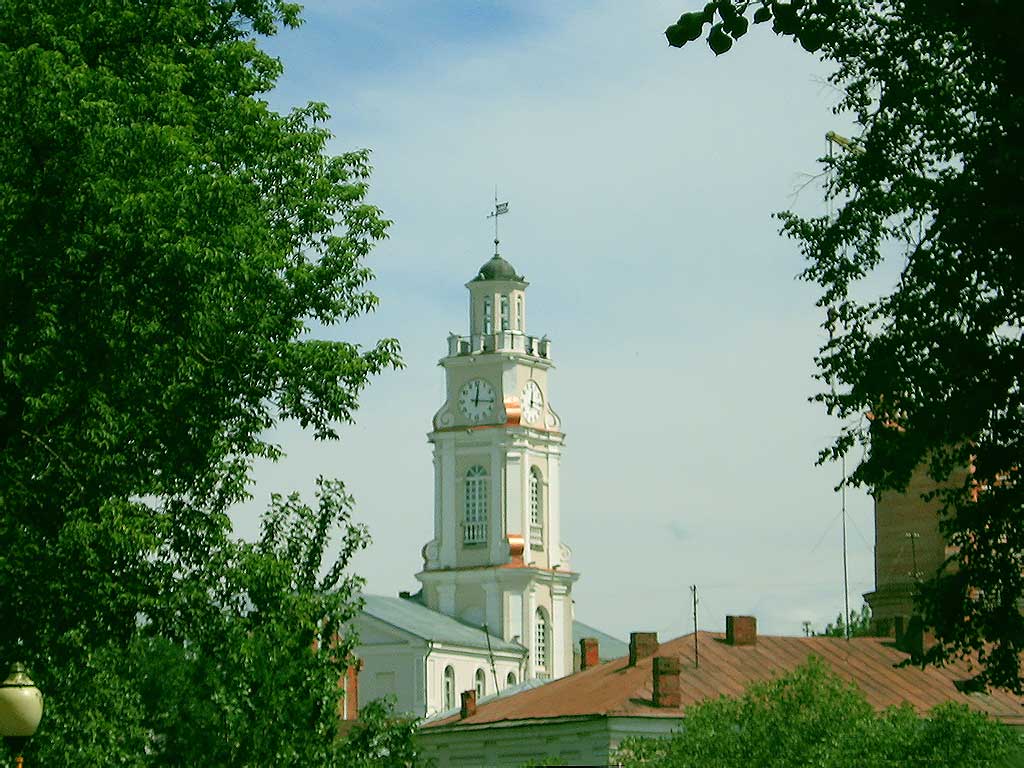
(499, 208)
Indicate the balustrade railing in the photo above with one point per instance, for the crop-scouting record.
(504, 341)
(474, 533)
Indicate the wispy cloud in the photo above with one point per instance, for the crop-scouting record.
(641, 181)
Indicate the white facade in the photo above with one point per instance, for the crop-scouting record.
(427, 676)
(496, 569)
(497, 557)
(583, 740)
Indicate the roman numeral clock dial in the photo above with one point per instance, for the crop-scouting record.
(476, 399)
(532, 402)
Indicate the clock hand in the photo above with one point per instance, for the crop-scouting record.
(476, 401)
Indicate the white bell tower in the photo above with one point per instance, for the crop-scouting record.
(497, 557)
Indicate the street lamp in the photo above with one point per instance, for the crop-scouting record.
(21, 707)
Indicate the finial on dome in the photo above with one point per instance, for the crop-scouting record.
(499, 209)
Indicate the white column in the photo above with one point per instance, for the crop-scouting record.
(513, 493)
(449, 507)
(531, 640)
(496, 508)
(560, 643)
(554, 512)
(522, 510)
(515, 618)
(492, 609)
(438, 524)
(446, 599)
(419, 692)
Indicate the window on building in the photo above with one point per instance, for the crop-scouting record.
(536, 509)
(449, 688)
(519, 313)
(510, 680)
(480, 683)
(475, 526)
(504, 312)
(542, 638)
(488, 315)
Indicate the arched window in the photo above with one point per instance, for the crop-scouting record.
(519, 313)
(475, 528)
(536, 509)
(542, 638)
(449, 688)
(480, 683)
(504, 312)
(510, 680)
(488, 315)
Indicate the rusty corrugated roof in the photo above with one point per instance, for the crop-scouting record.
(616, 689)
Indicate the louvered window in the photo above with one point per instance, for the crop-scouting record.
(475, 527)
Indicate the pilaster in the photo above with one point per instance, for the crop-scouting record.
(450, 530)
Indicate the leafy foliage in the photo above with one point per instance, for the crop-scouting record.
(811, 717)
(859, 624)
(932, 188)
(380, 739)
(265, 644)
(169, 242)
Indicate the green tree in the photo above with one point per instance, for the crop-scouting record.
(267, 643)
(170, 244)
(859, 624)
(812, 717)
(380, 739)
(934, 88)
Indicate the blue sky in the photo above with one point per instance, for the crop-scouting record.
(641, 182)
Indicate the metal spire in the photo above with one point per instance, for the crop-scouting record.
(499, 209)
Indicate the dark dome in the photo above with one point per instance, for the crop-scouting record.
(497, 268)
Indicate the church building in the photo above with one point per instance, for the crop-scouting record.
(495, 605)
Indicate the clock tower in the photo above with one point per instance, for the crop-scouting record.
(497, 557)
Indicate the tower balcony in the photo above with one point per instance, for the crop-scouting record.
(503, 341)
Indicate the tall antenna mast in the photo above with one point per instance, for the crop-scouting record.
(696, 652)
(499, 209)
(832, 138)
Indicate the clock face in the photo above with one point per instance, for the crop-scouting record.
(532, 401)
(476, 399)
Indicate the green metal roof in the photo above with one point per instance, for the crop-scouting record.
(608, 647)
(415, 618)
(497, 268)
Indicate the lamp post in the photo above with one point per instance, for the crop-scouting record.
(21, 707)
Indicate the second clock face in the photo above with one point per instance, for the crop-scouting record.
(476, 399)
(533, 402)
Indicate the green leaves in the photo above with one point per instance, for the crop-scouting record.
(933, 89)
(812, 717)
(784, 19)
(690, 26)
(687, 29)
(168, 243)
(718, 41)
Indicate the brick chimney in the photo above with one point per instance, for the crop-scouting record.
(741, 630)
(468, 703)
(914, 639)
(589, 655)
(348, 707)
(642, 645)
(666, 682)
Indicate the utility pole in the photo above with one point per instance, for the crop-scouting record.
(490, 654)
(696, 651)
